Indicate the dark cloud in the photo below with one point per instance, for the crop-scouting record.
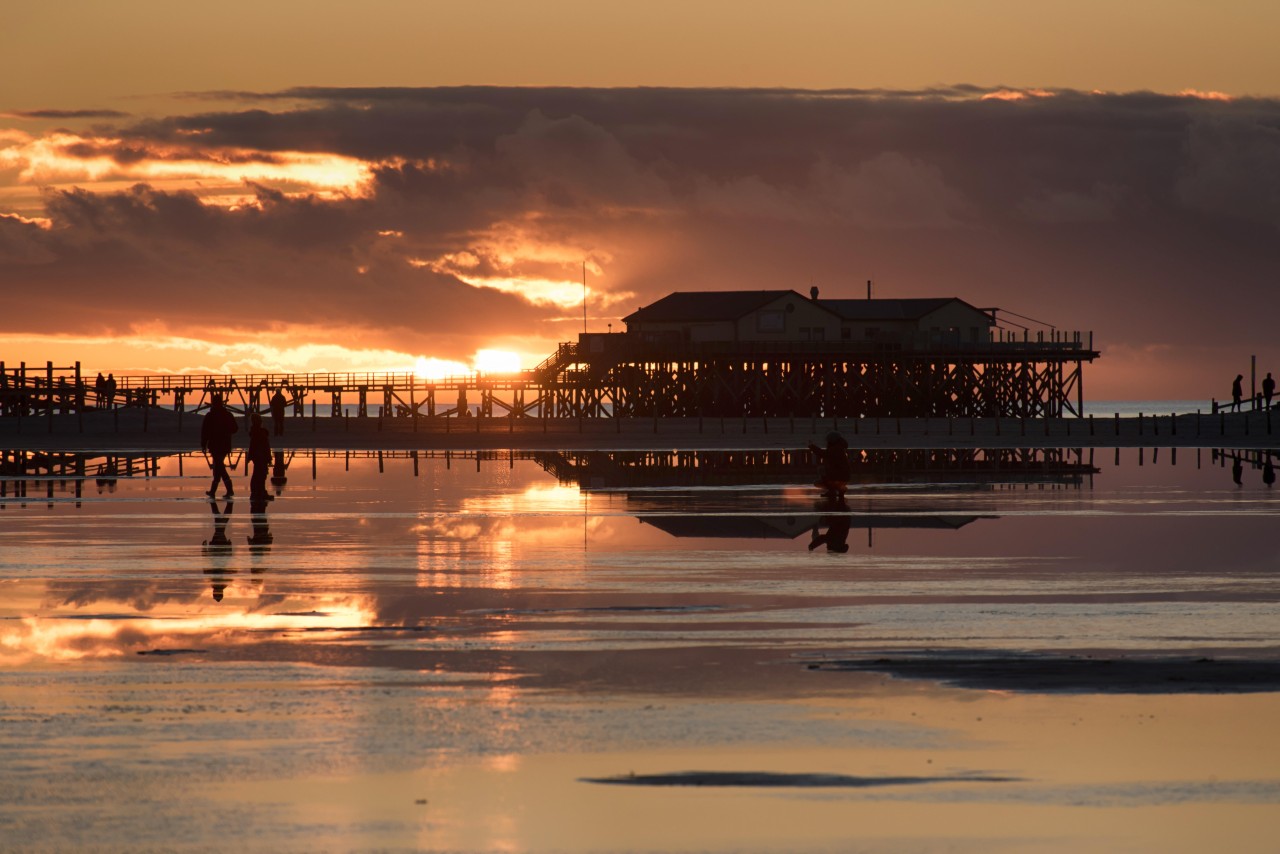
(1151, 219)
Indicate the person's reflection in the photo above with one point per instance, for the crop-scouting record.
(1237, 471)
(261, 538)
(278, 468)
(106, 478)
(218, 547)
(1268, 473)
(837, 522)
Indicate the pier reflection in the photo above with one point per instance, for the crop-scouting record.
(605, 470)
(724, 487)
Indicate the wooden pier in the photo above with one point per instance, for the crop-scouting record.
(49, 390)
(611, 375)
(608, 375)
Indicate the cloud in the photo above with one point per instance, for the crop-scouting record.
(66, 114)
(1232, 168)
(463, 214)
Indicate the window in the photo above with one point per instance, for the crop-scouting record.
(771, 321)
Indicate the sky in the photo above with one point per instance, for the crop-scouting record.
(286, 186)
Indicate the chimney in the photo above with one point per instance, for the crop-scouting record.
(813, 293)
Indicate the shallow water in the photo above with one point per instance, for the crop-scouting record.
(485, 633)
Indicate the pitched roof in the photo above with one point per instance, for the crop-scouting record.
(704, 306)
(887, 309)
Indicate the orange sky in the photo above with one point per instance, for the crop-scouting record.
(169, 200)
(95, 54)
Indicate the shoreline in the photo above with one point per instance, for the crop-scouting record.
(151, 430)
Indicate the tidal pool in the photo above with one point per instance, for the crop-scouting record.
(1030, 650)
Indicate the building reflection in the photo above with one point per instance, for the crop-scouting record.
(654, 481)
(976, 466)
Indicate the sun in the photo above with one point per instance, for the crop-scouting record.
(497, 362)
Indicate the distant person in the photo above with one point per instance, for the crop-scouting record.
(1268, 473)
(99, 389)
(259, 457)
(1268, 389)
(834, 474)
(110, 386)
(277, 412)
(1237, 391)
(215, 437)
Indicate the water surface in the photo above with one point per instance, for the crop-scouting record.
(442, 651)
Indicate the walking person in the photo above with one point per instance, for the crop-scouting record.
(1237, 391)
(277, 412)
(215, 437)
(1268, 389)
(259, 457)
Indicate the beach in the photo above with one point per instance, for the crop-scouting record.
(647, 648)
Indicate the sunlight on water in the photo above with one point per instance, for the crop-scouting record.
(362, 661)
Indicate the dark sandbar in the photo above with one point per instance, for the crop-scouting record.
(1071, 674)
(770, 779)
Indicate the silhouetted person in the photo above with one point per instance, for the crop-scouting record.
(278, 469)
(1268, 473)
(1237, 391)
(1268, 389)
(833, 477)
(110, 386)
(99, 390)
(259, 457)
(277, 412)
(1237, 472)
(215, 437)
(836, 538)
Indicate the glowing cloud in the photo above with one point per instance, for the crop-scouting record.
(1205, 96)
(439, 369)
(537, 291)
(66, 158)
(1016, 94)
(497, 362)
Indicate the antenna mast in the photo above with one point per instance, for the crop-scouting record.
(584, 297)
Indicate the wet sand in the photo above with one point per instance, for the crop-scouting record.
(480, 655)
